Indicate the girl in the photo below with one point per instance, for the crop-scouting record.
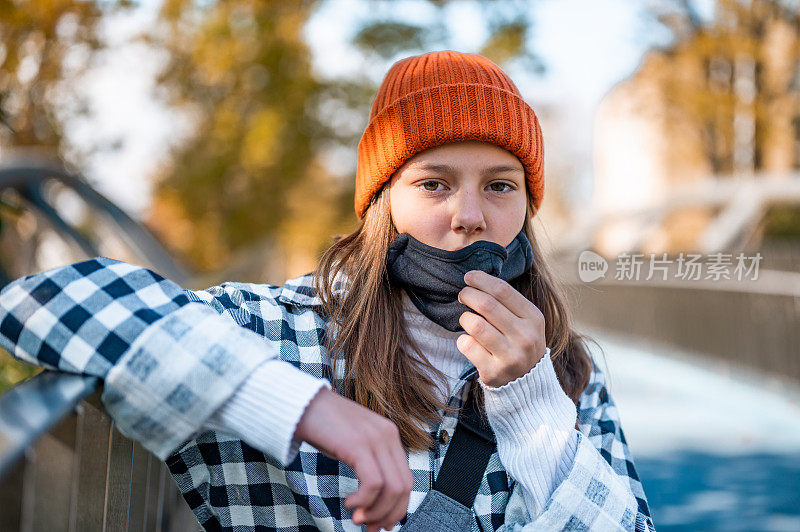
(333, 401)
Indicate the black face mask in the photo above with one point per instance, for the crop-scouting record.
(433, 277)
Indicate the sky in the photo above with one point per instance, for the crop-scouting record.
(587, 46)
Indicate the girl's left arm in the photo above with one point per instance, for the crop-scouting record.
(564, 479)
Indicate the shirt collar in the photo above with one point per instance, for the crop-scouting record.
(301, 291)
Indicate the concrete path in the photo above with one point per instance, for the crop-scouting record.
(717, 448)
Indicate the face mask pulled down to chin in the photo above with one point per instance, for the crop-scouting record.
(433, 277)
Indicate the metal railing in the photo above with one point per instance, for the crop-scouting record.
(751, 324)
(736, 204)
(64, 466)
(31, 177)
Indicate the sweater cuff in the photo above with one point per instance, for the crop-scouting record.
(534, 423)
(266, 408)
(530, 401)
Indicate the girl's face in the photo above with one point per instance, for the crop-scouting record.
(455, 194)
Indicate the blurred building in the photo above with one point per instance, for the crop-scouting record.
(720, 105)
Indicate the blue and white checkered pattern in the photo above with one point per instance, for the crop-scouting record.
(170, 357)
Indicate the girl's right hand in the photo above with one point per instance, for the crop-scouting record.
(370, 444)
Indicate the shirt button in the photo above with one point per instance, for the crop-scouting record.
(444, 437)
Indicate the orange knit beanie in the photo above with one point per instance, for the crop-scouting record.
(440, 97)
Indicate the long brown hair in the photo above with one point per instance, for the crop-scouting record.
(383, 368)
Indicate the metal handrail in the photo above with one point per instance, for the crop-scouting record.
(29, 175)
(35, 406)
(64, 466)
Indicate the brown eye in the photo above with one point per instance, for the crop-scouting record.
(502, 185)
(426, 183)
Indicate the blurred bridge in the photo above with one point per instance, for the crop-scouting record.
(705, 369)
(736, 205)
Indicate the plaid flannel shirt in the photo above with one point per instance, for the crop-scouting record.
(170, 357)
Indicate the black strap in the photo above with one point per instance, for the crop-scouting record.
(467, 456)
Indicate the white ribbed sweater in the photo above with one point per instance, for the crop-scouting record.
(532, 418)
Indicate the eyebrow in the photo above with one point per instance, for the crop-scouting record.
(447, 169)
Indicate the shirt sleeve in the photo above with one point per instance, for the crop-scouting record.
(169, 357)
(595, 486)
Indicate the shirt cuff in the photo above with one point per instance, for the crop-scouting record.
(176, 373)
(265, 410)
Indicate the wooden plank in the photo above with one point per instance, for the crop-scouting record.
(11, 490)
(138, 495)
(152, 494)
(118, 482)
(93, 440)
(54, 462)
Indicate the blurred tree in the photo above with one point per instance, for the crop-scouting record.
(734, 78)
(45, 46)
(253, 171)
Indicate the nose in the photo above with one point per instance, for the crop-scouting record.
(467, 213)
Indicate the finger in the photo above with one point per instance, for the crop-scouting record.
(406, 477)
(401, 474)
(370, 478)
(502, 291)
(398, 509)
(490, 308)
(474, 351)
(393, 486)
(483, 332)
